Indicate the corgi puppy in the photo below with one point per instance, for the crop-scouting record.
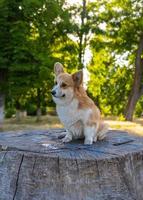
(76, 110)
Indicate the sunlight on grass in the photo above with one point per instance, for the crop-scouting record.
(135, 127)
(30, 123)
(48, 121)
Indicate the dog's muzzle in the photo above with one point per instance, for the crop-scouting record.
(53, 92)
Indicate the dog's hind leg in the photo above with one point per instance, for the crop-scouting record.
(90, 133)
(102, 133)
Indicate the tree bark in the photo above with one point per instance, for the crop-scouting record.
(38, 114)
(35, 165)
(1, 110)
(81, 35)
(3, 87)
(18, 112)
(38, 105)
(136, 91)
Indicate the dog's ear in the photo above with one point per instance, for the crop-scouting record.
(58, 68)
(78, 78)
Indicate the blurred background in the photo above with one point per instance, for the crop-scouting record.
(105, 38)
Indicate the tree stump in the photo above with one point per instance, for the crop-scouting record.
(35, 165)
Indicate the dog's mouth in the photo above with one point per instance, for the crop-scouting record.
(63, 95)
(60, 96)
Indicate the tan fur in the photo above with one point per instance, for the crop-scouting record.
(76, 110)
(66, 78)
(84, 100)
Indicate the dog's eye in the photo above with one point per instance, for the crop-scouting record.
(56, 83)
(64, 85)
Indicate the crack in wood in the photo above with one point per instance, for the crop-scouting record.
(58, 162)
(18, 174)
(98, 174)
(121, 143)
(34, 165)
(77, 165)
(2, 159)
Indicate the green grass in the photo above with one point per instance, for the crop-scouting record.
(49, 121)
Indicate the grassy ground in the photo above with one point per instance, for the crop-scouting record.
(29, 123)
(135, 127)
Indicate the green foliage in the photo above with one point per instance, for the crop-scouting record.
(111, 79)
(9, 112)
(31, 109)
(109, 82)
(33, 30)
(34, 34)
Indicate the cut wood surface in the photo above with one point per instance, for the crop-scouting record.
(36, 165)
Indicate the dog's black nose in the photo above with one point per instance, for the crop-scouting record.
(53, 92)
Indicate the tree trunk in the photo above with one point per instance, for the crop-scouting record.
(39, 113)
(136, 91)
(1, 110)
(18, 112)
(35, 165)
(18, 118)
(133, 99)
(38, 105)
(3, 87)
(81, 35)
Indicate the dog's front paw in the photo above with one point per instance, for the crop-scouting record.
(61, 136)
(88, 141)
(66, 139)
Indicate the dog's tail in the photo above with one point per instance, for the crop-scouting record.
(103, 129)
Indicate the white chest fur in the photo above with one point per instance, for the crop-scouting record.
(73, 118)
(69, 114)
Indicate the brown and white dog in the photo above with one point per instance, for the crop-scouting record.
(76, 110)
